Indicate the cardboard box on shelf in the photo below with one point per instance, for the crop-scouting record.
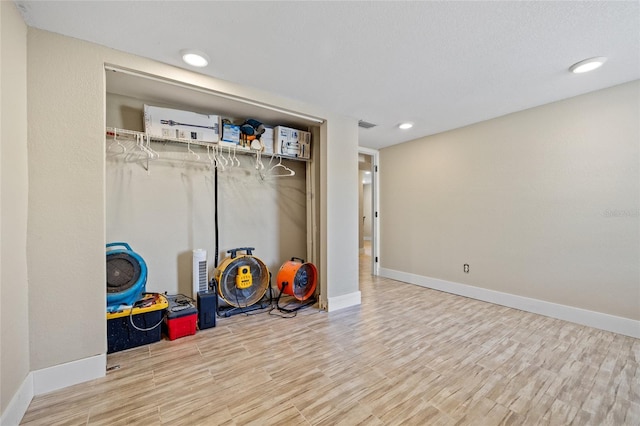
(292, 142)
(267, 140)
(177, 124)
(230, 135)
(268, 133)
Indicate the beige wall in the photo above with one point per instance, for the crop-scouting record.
(542, 203)
(14, 321)
(339, 216)
(66, 200)
(67, 195)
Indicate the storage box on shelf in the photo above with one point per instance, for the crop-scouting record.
(292, 142)
(230, 135)
(267, 140)
(178, 124)
(172, 125)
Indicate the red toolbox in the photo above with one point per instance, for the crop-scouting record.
(181, 318)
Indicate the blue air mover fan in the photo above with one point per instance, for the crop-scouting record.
(126, 276)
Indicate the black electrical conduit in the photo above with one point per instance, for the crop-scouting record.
(215, 205)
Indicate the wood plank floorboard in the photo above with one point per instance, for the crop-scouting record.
(407, 356)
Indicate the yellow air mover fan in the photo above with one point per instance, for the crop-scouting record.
(243, 281)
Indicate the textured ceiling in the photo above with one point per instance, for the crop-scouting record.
(441, 65)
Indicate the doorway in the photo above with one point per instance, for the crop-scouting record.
(367, 194)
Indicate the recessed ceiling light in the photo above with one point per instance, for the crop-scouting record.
(587, 65)
(367, 172)
(405, 126)
(195, 58)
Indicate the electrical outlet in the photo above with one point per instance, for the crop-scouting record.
(466, 268)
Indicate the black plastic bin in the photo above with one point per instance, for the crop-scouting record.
(121, 334)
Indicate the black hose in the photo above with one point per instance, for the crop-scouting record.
(215, 214)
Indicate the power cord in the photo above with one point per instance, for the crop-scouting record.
(143, 329)
(183, 302)
(281, 314)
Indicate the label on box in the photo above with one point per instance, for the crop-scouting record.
(177, 124)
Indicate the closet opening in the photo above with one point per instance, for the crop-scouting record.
(160, 194)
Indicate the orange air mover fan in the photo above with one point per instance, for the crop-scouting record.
(298, 279)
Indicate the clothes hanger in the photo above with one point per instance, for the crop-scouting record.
(219, 156)
(117, 143)
(259, 164)
(235, 158)
(190, 151)
(143, 144)
(212, 160)
(261, 172)
(258, 147)
(146, 141)
(232, 163)
(280, 165)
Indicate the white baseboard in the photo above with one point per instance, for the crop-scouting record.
(599, 320)
(68, 374)
(344, 301)
(19, 404)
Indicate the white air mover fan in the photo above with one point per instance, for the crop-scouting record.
(242, 282)
(299, 279)
(126, 276)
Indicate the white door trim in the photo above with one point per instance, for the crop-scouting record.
(375, 232)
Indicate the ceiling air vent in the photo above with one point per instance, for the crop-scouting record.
(366, 125)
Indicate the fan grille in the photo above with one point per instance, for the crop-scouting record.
(123, 271)
(244, 297)
(302, 281)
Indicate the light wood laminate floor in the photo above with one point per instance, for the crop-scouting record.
(408, 355)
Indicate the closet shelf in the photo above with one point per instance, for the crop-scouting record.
(134, 134)
(143, 142)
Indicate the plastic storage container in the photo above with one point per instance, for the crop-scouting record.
(121, 325)
(181, 318)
